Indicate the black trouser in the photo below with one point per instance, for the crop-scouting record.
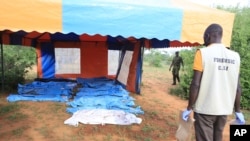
(175, 73)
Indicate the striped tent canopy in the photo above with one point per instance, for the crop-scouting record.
(104, 38)
(174, 20)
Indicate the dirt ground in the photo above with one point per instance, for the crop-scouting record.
(43, 121)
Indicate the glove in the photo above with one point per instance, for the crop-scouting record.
(240, 117)
(185, 114)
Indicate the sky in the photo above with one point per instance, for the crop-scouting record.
(225, 3)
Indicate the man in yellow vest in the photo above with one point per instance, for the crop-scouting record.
(215, 88)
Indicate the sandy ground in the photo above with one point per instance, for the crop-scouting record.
(43, 121)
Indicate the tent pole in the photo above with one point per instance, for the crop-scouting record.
(2, 69)
(141, 65)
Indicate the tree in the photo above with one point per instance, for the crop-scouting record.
(16, 61)
(241, 43)
(156, 58)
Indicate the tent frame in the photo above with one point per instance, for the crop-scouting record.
(2, 66)
(32, 39)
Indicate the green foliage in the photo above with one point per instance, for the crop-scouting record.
(10, 108)
(178, 91)
(156, 58)
(16, 61)
(186, 76)
(241, 44)
(188, 57)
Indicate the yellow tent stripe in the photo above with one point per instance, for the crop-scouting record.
(194, 23)
(41, 16)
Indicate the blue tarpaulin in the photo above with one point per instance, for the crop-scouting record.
(43, 91)
(101, 93)
(94, 93)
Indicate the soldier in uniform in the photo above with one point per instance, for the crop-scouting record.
(176, 64)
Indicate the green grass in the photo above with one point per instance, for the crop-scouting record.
(16, 116)
(147, 139)
(44, 131)
(178, 91)
(246, 114)
(108, 137)
(9, 108)
(19, 131)
(152, 114)
(148, 128)
(57, 107)
(12, 112)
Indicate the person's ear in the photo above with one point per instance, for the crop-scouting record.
(206, 39)
(206, 36)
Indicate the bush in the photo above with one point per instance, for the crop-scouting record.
(178, 91)
(16, 61)
(185, 76)
(156, 58)
(241, 44)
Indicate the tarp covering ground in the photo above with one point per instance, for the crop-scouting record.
(102, 94)
(43, 91)
(90, 101)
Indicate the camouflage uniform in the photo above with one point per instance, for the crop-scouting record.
(176, 63)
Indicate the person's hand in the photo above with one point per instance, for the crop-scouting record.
(185, 114)
(240, 117)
